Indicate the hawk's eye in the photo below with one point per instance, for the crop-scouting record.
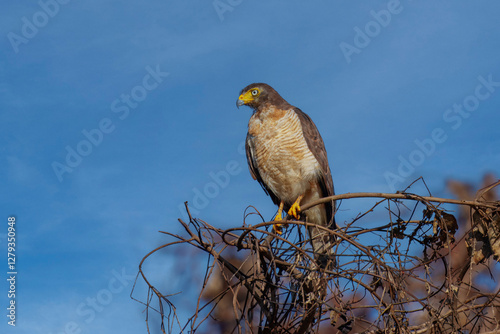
(255, 92)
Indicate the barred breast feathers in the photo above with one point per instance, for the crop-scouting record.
(286, 164)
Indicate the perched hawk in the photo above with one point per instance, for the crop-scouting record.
(286, 154)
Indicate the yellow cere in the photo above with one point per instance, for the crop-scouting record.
(248, 96)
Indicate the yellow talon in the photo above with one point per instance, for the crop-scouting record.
(295, 208)
(278, 228)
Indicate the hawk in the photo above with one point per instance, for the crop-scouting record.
(287, 156)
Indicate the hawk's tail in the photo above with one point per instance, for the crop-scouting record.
(322, 243)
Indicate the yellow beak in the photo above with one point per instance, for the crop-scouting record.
(244, 99)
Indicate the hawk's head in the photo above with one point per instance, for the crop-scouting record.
(259, 94)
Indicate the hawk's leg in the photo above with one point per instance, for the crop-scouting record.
(278, 228)
(295, 208)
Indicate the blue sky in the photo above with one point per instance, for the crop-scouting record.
(154, 86)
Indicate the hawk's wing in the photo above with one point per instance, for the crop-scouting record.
(317, 148)
(254, 169)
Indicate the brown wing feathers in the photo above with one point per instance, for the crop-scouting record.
(317, 147)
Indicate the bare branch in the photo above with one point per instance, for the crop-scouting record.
(390, 275)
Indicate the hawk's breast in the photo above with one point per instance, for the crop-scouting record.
(285, 162)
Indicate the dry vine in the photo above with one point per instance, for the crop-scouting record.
(403, 276)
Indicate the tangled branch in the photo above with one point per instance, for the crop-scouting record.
(401, 276)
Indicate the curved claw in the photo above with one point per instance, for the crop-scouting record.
(295, 208)
(278, 228)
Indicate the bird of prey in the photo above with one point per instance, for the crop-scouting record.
(287, 156)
